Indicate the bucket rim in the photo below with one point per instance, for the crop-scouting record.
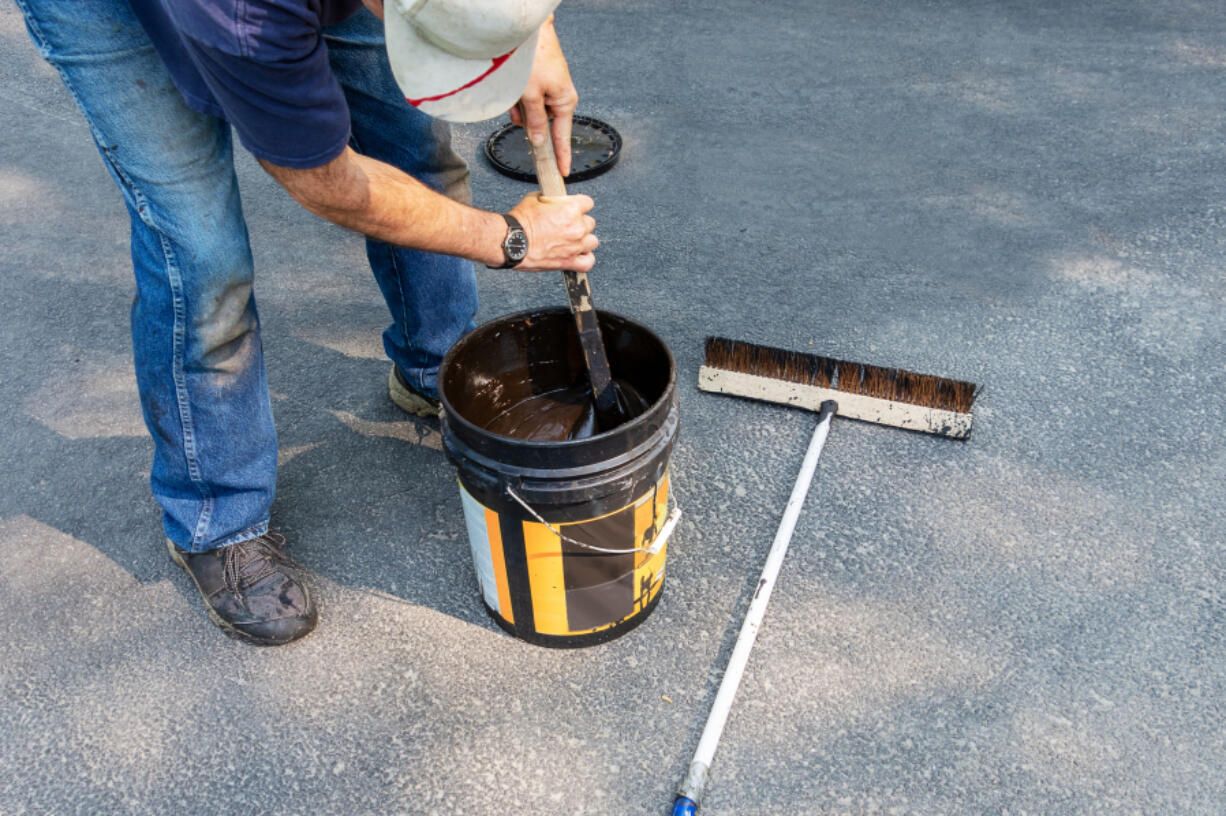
(565, 443)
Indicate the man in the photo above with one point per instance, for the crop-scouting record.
(308, 87)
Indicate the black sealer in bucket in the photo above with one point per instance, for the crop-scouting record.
(609, 491)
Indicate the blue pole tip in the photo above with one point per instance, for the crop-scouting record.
(684, 807)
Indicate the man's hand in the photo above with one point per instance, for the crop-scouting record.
(559, 233)
(550, 92)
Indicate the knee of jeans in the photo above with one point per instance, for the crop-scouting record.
(227, 340)
(456, 183)
(222, 327)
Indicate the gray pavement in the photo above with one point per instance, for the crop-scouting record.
(1029, 195)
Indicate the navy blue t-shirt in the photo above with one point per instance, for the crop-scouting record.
(260, 64)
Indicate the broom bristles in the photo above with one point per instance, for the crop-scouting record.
(896, 384)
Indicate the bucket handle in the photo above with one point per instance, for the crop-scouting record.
(656, 545)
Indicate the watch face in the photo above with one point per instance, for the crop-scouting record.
(516, 245)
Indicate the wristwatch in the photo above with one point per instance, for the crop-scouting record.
(515, 245)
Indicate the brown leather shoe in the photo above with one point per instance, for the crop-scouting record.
(252, 589)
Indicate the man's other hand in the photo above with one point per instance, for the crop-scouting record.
(559, 233)
(550, 92)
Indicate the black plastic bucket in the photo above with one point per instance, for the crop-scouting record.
(541, 514)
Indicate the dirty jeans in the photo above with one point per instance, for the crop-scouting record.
(195, 328)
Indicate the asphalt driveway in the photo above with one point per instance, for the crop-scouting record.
(1028, 195)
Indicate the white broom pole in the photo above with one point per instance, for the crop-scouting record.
(695, 782)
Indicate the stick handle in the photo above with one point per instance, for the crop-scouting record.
(580, 294)
(695, 782)
(546, 161)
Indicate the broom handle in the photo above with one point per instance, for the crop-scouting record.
(580, 295)
(695, 782)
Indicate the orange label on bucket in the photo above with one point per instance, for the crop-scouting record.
(581, 577)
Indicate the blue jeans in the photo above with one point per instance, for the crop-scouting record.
(195, 328)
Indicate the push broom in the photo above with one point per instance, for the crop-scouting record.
(888, 396)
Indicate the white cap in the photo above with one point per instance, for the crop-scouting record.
(463, 60)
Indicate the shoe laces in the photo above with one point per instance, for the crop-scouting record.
(250, 561)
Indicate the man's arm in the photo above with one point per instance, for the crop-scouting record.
(379, 200)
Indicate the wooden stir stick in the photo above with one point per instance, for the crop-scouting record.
(609, 412)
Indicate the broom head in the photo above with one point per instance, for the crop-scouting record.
(886, 396)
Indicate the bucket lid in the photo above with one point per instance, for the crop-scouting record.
(595, 147)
